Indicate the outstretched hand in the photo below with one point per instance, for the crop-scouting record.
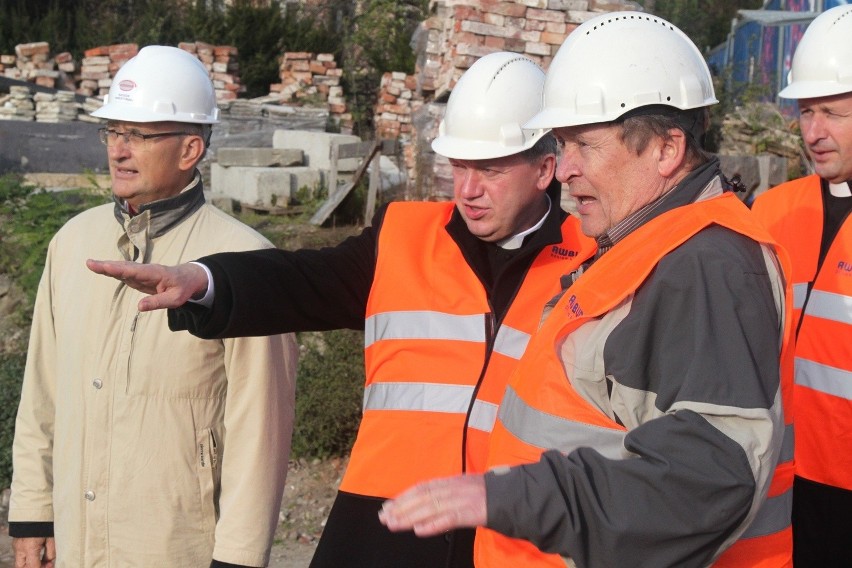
(168, 286)
(438, 506)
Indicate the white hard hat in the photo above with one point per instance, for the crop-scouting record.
(621, 61)
(161, 84)
(488, 107)
(822, 64)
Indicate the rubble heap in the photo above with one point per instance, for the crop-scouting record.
(759, 128)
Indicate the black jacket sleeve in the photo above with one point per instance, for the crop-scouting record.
(272, 291)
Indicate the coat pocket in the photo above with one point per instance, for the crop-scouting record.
(207, 463)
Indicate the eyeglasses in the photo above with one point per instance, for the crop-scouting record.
(132, 138)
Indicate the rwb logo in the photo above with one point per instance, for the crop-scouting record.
(844, 266)
(127, 85)
(556, 250)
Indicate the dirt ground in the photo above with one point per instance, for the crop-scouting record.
(310, 490)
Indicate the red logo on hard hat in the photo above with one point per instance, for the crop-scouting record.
(127, 85)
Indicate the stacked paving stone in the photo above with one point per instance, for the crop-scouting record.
(222, 63)
(99, 66)
(59, 107)
(309, 78)
(17, 105)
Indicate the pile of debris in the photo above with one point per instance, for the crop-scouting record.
(760, 128)
(32, 62)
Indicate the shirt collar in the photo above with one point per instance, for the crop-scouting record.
(515, 241)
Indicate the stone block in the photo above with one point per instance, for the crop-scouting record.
(316, 147)
(261, 187)
(259, 157)
(303, 177)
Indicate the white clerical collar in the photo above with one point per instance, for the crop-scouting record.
(515, 241)
(839, 189)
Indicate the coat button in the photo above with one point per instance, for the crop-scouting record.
(89, 495)
(97, 383)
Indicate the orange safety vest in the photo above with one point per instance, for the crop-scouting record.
(793, 214)
(436, 361)
(540, 393)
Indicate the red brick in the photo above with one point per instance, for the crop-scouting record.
(96, 51)
(556, 27)
(63, 57)
(31, 49)
(503, 8)
(123, 48)
(497, 43)
(467, 13)
(552, 38)
(225, 50)
(546, 15)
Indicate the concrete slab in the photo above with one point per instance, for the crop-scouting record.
(264, 187)
(259, 157)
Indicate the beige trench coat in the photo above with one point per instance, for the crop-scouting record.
(143, 446)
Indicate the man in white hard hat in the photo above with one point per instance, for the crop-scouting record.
(134, 446)
(647, 411)
(810, 218)
(447, 293)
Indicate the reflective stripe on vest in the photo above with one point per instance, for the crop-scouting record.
(433, 386)
(541, 410)
(800, 292)
(547, 431)
(423, 325)
(830, 306)
(823, 378)
(430, 397)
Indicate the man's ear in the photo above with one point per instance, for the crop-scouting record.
(192, 150)
(672, 152)
(546, 170)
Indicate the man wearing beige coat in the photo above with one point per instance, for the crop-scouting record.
(135, 446)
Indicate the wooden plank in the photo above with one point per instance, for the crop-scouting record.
(330, 204)
(354, 149)
(372, 191)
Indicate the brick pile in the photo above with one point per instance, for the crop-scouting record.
(461, 32)
(397, 101)
(221, 61)
(31, 62)
(99, 66)
(313, 78)
(457, 34)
